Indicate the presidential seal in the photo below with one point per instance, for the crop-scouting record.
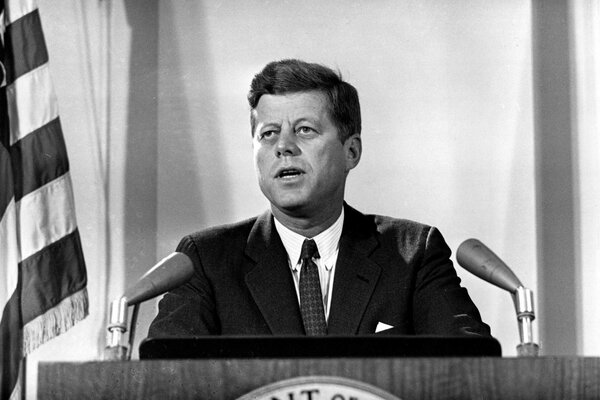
(319, 388)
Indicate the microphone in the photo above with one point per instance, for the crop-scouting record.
(479, 260)
(482, 262)
(169, 273)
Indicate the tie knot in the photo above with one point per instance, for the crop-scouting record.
(309, 250)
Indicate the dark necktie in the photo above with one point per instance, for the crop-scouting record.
(311, 300)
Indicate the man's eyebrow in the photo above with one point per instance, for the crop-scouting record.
(313, 121)
(269, 124)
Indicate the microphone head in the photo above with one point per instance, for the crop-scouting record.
(170, 272)
(476, 258)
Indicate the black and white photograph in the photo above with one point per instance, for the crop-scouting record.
(386, 199)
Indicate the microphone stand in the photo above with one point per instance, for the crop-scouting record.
(117, 326)
(523, 299)
(169, 273)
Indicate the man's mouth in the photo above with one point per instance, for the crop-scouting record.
(289, 173)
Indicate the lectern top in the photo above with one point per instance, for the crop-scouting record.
(318, 347)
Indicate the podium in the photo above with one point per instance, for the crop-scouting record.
(301, 369)
(406, 378)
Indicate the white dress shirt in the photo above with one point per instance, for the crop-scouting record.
(328, 245)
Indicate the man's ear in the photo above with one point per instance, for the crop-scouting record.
(353, 148)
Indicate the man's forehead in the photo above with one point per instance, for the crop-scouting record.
(296, 104)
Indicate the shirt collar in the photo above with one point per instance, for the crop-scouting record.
(327, 242)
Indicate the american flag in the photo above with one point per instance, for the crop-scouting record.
(42, 270)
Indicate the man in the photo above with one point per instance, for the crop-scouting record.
(313, 264)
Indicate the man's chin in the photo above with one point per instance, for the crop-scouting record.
(289, 207)
(295, 209)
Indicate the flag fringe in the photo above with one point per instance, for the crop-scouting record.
(55, 321)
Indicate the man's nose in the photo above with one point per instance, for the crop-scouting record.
(287, 144)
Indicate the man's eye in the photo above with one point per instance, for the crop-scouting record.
(305, 130)
(266, 134)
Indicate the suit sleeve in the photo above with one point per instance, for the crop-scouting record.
(188, 310)
(441, 306)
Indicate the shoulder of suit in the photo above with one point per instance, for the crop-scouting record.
(400, 229)
(408, 237)
(385, 223)
(230, 231)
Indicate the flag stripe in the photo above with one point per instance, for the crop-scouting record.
(27, 113)
(11, 345)
(39, 158)
(16, 9)
(46, 215)
(25, 41)
(18, 391)
(57, 271)
(9, 254)
(6, 185)
(4, 127)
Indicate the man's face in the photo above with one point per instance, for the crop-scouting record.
(300, 161)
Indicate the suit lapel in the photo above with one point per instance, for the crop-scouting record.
(270, 281)
(355, 276)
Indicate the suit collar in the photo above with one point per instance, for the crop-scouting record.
(270, 281)
(356, 274)
(261, 236)
(359, 229)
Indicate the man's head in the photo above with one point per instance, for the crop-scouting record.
(293, 76)
(302, 152)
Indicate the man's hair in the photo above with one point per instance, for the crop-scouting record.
(293, 76)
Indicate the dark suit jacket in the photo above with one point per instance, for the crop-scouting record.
(388, 270)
